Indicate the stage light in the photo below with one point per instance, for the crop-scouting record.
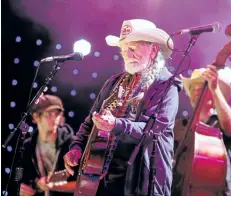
(185, 113)
(18, 39)
(9, 148)
(92, 95)
(54, 89)
(35, 85)
(73, 92)
(189, 72)
(116, 57)
(16, 60)
(14, 82)
(82, 46)
(31, 129)
(58, 46)
(36, 63)
(97, 54)
(38, 42)
(12, 104)
(7, 170)
(94, 75)
(75, 71)
(71, 114)
(10, 126)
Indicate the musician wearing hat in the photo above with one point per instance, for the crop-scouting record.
(131, 98)
(215, 110)
(44, 151)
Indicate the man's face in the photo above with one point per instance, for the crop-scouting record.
(195, 92)
(48, 120)
(138, 55)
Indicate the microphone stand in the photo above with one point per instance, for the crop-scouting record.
(24, 127)
(151, 124)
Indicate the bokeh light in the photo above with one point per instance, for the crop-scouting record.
(82, 46)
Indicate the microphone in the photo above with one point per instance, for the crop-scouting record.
(62, 58)
(200, 29)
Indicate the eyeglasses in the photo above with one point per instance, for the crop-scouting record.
(53, 112)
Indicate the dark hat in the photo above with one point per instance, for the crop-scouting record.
(47, 102)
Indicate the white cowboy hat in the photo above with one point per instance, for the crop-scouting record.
(141, 30)
(224, 81)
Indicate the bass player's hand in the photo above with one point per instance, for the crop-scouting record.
(211, 75)
(71, 160)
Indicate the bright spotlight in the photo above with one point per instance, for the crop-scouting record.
(82, 46)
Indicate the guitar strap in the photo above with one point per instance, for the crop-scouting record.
(118, 103)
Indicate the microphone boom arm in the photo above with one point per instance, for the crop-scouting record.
(24, 127)
(38, 94)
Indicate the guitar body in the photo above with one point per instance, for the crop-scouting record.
(91, 166)
(96, 154)
(203, 165)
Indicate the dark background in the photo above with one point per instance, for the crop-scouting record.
(56, 24)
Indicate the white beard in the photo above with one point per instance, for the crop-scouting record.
(133, 68)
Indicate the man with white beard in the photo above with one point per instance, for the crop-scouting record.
(132, 98)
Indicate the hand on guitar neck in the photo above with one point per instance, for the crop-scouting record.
(56, 181)
(27, 190)
(71, 159)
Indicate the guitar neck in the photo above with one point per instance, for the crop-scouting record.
(58, 176)
(68, 187)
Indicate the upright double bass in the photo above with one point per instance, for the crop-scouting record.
(201, 161)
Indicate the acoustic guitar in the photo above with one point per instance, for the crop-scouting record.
(58, 177)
